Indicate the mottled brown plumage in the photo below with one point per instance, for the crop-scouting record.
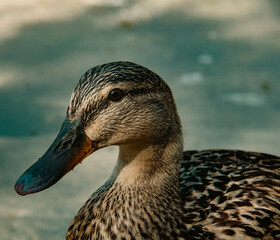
(156, 191)
(231, 194)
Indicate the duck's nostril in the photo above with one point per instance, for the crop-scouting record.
(66, 144)
(19, 187)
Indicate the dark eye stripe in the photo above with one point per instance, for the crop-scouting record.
(93, 110)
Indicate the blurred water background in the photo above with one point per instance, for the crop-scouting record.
(221, 59)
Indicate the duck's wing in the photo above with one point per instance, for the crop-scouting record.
(231, 194)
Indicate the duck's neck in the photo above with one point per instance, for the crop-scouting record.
(141, 200)
(149, 165)
(147, 188)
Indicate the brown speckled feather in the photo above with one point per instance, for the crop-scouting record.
(231, 194)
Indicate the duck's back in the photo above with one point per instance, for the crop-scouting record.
(231, 194)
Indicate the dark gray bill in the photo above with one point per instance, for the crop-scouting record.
(69, 148)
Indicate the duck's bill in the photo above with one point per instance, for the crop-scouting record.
(69, 148)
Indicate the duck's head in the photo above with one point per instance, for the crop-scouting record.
(118, 103)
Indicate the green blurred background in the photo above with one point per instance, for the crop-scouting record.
(220, 57)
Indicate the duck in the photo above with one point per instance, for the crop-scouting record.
(156, 190)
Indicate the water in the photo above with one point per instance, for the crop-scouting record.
(221, 59)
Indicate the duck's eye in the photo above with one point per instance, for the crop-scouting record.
(116, 94)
